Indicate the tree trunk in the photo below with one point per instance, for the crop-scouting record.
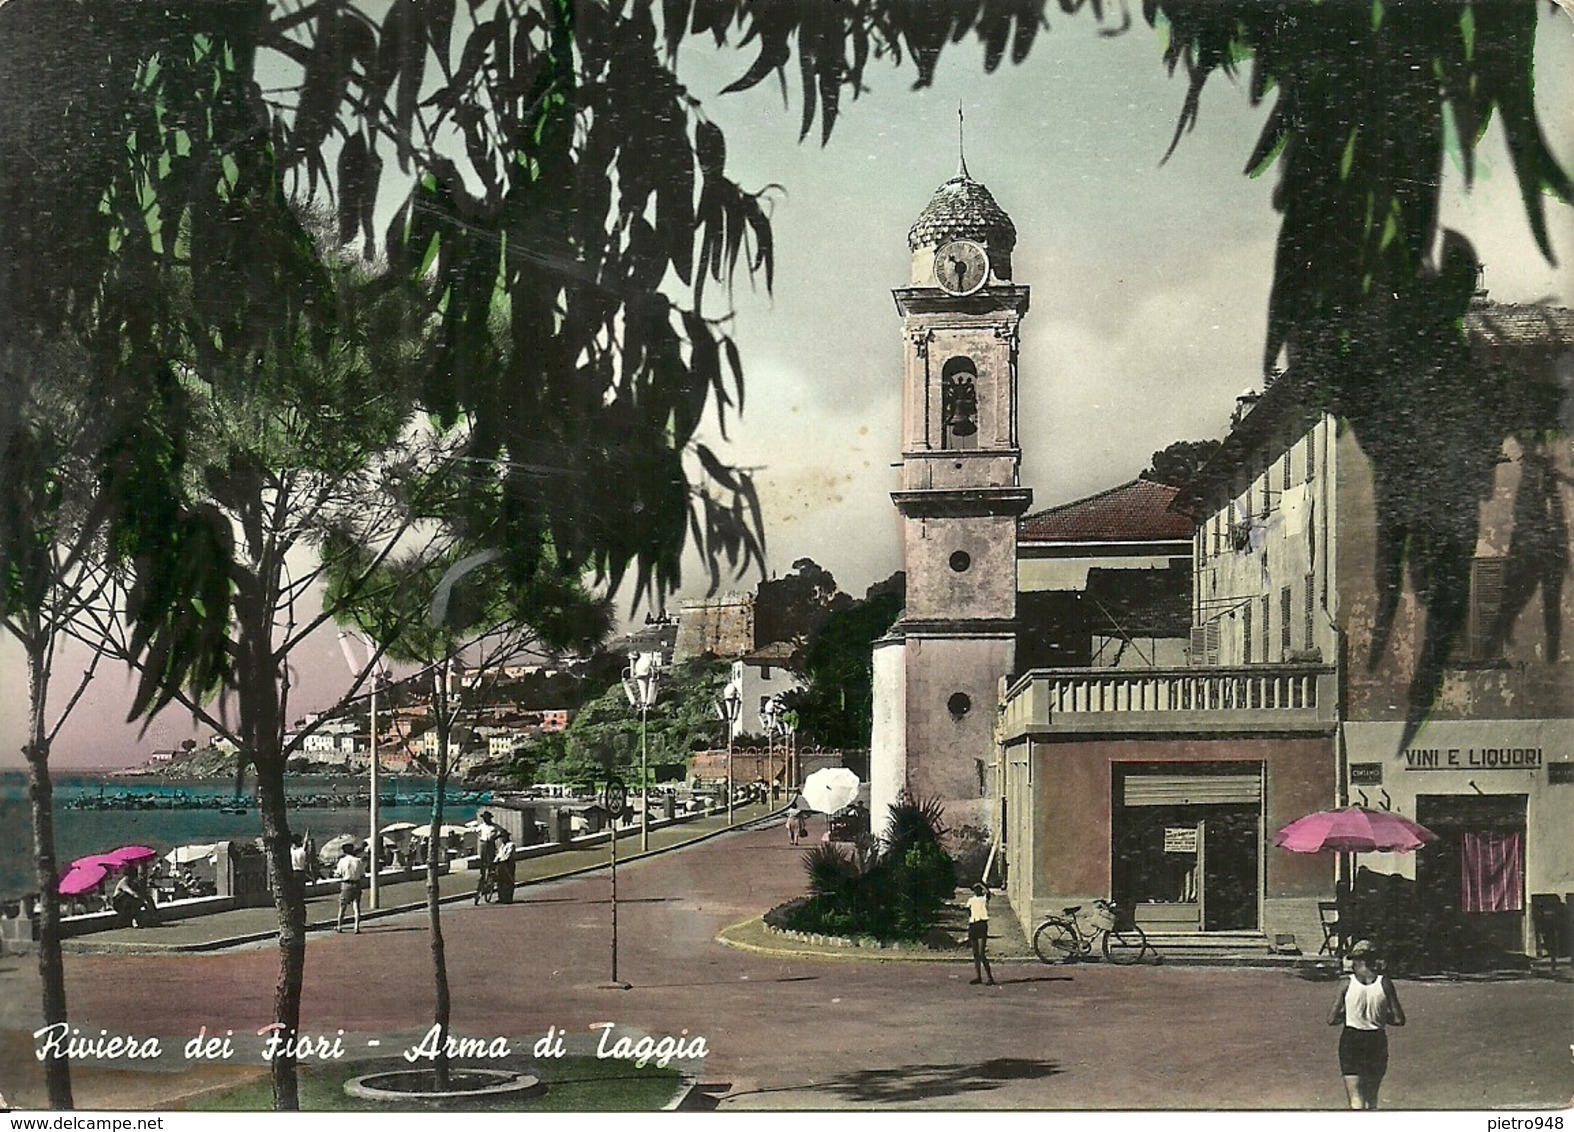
(46, 871)
(442, 1009)
(257, 692)
(289, 901)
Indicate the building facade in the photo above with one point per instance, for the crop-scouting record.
(1308, 688)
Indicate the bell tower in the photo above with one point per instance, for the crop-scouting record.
(937, 674)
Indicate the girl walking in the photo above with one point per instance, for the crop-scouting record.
(1367, 1005)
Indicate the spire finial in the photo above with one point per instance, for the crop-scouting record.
(961, 144)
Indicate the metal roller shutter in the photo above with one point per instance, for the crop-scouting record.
(1192, 789)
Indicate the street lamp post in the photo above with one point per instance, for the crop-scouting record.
(771, 720)
(376, 842)
(640, 680)
(730, 708)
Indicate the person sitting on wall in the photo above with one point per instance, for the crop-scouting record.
(131, 900)
(503, 877)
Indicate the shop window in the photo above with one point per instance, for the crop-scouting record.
(959, 403)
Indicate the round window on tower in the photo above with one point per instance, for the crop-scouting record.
(960, 561)
(959, 704)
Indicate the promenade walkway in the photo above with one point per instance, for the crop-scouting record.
(261, 924)
(806, 1031)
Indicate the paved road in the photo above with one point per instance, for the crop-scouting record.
(811, 1033)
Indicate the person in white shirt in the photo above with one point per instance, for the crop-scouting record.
(351, 871)
(978, 934)
(300, 860)
(1367, 1005)
(486, 851)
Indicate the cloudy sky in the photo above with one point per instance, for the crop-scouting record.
(1149, 289)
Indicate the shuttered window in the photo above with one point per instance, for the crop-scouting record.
(1311, 609)
(1267, 609)
(1486, 604)
(1205, 643)
(1284, 623)
(1246, 633)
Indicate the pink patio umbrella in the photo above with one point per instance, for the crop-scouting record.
(1353, 829)
(81, 878)
(1350, 829)
(133, 854)
(106, 861)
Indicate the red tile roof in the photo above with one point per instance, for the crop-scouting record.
(1133, 512)
(1517, 324)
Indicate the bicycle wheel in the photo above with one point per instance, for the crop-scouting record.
(1056, 941)
(1124, 946)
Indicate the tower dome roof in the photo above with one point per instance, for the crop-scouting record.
(962, 209)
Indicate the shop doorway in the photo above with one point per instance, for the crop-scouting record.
(1470, 882)
(1186, 850)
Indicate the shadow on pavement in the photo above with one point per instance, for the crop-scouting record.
(714, 983)
(921, 1082)
(1037, 979)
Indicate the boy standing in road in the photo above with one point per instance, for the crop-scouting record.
(978, 934)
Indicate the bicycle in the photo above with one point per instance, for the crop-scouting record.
(486, 886)
(1061, 939)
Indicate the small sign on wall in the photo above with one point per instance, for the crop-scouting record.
(1180, 839)
(1366, 774)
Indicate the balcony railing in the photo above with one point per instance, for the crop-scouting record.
(1251, 697)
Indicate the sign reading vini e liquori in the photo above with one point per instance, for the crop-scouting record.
(1473, 758)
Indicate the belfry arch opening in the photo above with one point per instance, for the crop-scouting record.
(959, 403)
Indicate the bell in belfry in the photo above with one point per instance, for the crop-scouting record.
(961, 406)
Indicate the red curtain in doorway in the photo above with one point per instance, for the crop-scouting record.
(1492, 872)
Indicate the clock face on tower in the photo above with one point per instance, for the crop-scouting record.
(961, 267)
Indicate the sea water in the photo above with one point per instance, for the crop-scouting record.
(83, 832)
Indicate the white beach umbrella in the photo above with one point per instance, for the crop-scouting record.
(185, 854)
(831, 789)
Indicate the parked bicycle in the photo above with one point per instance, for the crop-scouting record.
(1064, 939)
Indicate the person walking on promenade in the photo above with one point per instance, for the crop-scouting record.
(792, 829)
(351, 871)
(1367, 1005)
(978, 934)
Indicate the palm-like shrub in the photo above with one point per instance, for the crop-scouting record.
(898, 892)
